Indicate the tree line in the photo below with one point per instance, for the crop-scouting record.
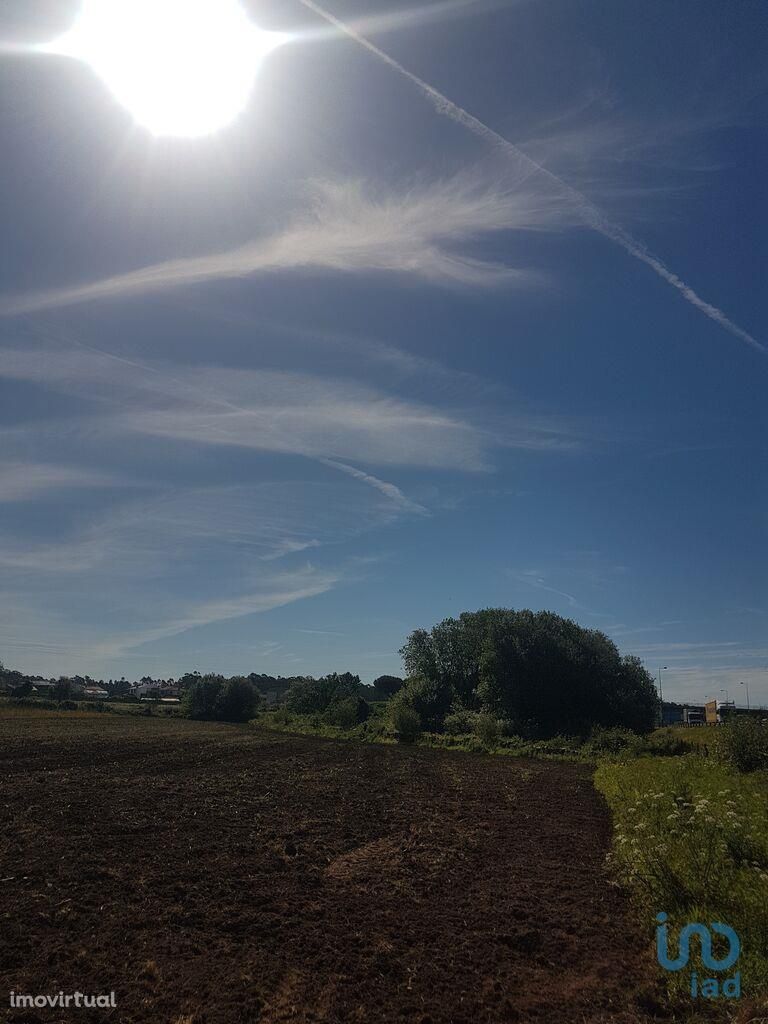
(536, 674)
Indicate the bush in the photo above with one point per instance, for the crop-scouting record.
(405, 724)
(488, 730)
(460, 722)
(346, 714)
(237, 700)
(430, 699)
(557, 747)
(36, 702)
(613, 741)
(742, 743)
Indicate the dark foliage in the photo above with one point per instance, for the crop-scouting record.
(216, 698)
(544, 673)
(387, 686)
(308, 696)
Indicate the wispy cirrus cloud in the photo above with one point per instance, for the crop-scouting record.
(225, 528)
(348, 228)
(267, 410)
(269, 593)
(20, 481)
(48, 636)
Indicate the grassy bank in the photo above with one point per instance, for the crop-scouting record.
(377, 729)
(691, 840)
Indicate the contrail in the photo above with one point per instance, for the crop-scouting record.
(387, 489)
(592, 216)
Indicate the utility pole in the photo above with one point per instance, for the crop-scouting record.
(746, 686)
(661, 696)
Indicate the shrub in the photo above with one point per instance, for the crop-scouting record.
(405, 723)
(460, 722)
(613, 741)
(487, 730)
(348, 713)
(36, 702)
(237, 701)
(742, 743)
(567, 748)
(430, 699)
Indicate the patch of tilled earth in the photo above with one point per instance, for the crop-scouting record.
(209, 874)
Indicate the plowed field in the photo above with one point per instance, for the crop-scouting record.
(211, 874)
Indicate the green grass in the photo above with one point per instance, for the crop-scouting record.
(699, 739)
(691, 839)
(377, 730)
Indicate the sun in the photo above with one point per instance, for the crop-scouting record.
(180, 67)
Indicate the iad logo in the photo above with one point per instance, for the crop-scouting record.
(708, 988)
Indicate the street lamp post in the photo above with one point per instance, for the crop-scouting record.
(661, 696)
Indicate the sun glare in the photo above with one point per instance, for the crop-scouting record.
(180, 67)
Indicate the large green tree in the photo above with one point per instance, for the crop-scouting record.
(543, 672)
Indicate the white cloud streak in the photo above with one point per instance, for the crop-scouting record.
(349, 230)
(389, 490)
(275, 592)
(590, 215)
(290, 413)
(72, 647)
(20, 481)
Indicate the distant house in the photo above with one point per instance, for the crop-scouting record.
(94, 693)
(155, 689)
(42, 687)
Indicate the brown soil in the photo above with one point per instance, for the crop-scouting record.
(212, 874)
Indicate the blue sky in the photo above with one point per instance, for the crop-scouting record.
(273, 397)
